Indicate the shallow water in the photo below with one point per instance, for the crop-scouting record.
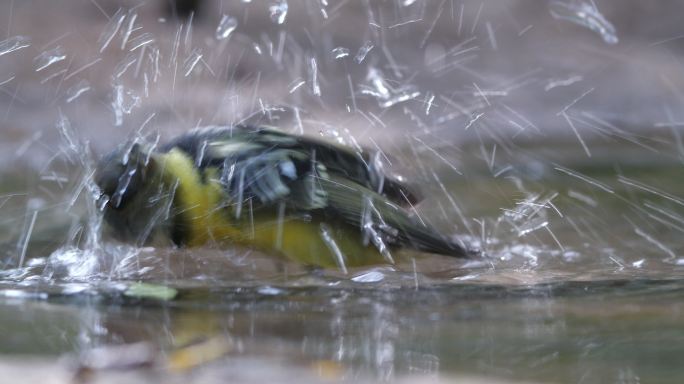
(548, 140)
(617, 331)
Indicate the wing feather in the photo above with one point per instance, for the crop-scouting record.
(221, 146)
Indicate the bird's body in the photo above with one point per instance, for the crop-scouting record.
(309, 200)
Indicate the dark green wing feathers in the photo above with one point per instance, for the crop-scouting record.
(382, 221)
(263, 152)
(268, 168)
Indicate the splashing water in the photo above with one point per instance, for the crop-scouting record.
(226, 27)
(363, 52)
(147, 62)
(334, 248)
(586, 14)
(123, 103)
(313, 70)
(191, 62)
(48, 58)
(340, 52)
(112, 28)
(14, 43)
(580, 238)
(386, 95)
(278, 11)
(143, 40)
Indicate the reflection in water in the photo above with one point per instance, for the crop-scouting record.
(599, 330)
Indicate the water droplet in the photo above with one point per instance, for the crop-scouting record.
(326, 235)
(340, 52)
(48, 58)
(270, 291)
(369, 277)
(226, 26)
(363, 51)
(141, 41)
(278, 11)
(585, 14)
(400, 98)
(313, 72)
(123, 103)
(386, 95)
(191, 62)
(14, 44)
(111, 29)
(126, 63)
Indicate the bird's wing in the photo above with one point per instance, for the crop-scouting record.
(267, 160)
(381, 221)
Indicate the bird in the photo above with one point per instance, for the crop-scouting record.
(318, 203)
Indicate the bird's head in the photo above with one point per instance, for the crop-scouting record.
(121, 173)
(130, 181)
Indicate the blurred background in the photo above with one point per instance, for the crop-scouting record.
(546, 133)
(420, 68)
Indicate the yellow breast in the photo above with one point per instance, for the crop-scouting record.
(201, 202)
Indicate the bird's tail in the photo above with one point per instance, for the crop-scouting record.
(427, 239)
(385, 221)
